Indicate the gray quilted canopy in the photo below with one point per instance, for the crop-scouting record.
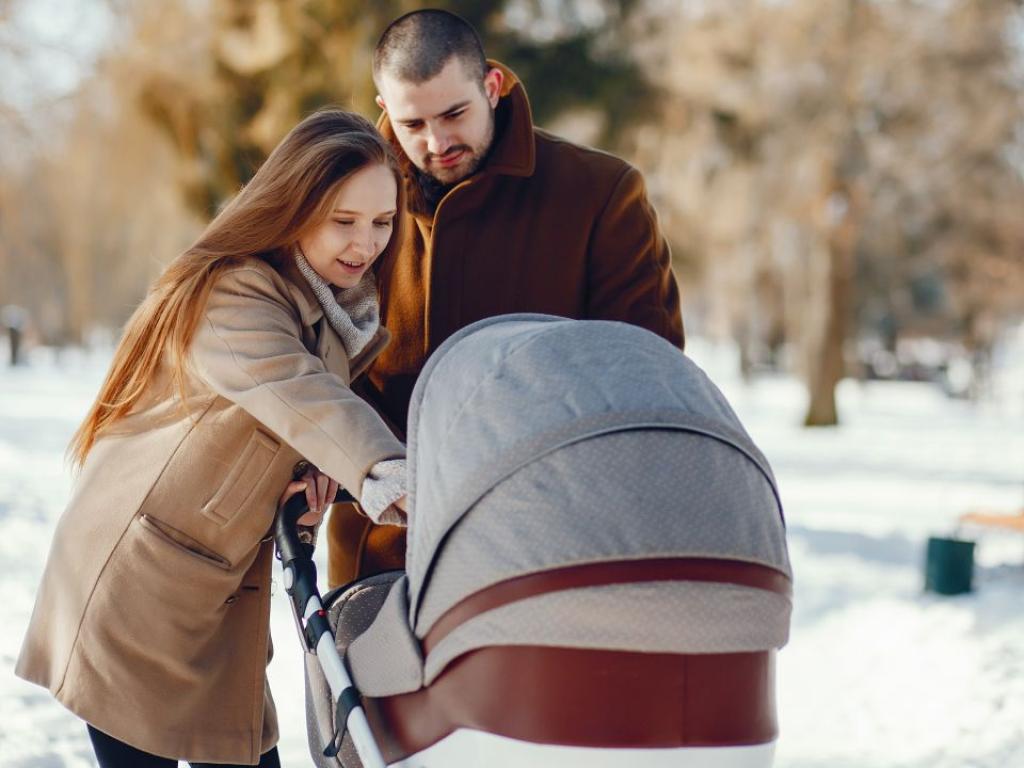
(537, 442)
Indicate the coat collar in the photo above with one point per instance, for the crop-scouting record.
(513, 152)
(514, 148)
(329, 346)
(310, 311)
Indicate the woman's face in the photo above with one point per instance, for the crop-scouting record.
(356, 230)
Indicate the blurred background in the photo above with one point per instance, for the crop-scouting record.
(841, 183)
(840, 179)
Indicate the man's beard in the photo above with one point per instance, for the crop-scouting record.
(471, 162)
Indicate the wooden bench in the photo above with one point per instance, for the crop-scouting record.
(1009, 522)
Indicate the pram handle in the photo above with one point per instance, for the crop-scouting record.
(285, 533)
(297, 557)
(299, 573)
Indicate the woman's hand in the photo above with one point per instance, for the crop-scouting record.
(320, 491)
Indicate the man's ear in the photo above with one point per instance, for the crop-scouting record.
(493, 81)
(380, 103)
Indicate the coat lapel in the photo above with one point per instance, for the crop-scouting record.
(329, 346)
(375, 346)
(310, 311)
(331, 350)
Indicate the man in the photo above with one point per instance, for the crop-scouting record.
(502, 217)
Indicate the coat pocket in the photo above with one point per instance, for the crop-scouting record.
(242, 479)
(182, 541)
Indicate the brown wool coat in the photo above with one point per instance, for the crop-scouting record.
(546, 226)
(152, 618)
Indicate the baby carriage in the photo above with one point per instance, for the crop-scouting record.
(597, 572)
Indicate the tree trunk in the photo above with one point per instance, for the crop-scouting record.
(828, 366)
(979, 340)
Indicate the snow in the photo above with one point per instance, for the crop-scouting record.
(877, 672)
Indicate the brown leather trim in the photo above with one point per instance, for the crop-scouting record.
(604, 573)
(586, 697)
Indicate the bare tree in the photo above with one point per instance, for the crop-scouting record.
(812, 141)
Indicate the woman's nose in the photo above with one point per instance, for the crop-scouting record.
(363, 242)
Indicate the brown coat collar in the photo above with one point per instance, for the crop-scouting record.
(513, 152)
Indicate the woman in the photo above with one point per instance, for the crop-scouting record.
(231, 381)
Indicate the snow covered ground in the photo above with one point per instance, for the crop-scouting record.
(877, 673)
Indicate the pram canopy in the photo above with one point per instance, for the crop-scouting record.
(540, 446)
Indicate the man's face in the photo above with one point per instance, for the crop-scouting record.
(445, 125)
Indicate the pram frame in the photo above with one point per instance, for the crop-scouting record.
(315, 631)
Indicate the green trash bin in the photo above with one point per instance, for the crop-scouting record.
(949, 566)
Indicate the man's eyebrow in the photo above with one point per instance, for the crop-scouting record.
(453, 108)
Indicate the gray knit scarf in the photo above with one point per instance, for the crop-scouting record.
(354, 313)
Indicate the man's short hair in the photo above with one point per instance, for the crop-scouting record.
(417, 46)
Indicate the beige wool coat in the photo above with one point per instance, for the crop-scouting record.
(152, 619)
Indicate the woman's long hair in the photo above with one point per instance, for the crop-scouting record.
(292, 192)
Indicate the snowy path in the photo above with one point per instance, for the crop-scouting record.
(877, 673)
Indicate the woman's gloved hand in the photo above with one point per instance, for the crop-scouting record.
(384, 498)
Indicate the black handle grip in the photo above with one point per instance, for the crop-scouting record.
(295, 556)
(286, 534)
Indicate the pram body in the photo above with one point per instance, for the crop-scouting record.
(596, 574)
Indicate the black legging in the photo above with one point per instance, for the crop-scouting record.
(112, 753)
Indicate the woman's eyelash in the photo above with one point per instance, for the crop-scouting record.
(350, 222)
